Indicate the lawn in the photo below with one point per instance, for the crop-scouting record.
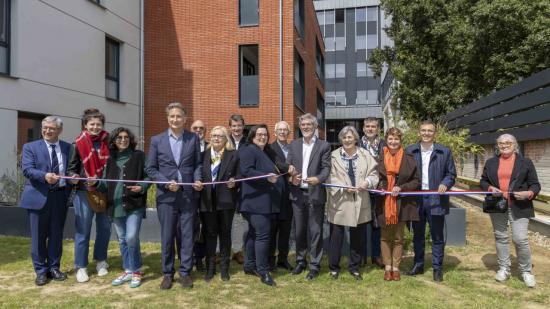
(469, 283)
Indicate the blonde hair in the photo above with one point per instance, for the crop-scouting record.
(225, 133)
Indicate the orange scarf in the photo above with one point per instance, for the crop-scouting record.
(392, 164)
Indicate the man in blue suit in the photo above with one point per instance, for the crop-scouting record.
(438, 172)
(45, 197)
(175, 156)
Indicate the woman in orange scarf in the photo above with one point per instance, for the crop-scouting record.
(398, 172)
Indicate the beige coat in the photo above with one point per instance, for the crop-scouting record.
(345, 208)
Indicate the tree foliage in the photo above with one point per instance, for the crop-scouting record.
(448, 53)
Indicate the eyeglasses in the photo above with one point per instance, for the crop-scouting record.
(504, 143)
(282, 130)
(261, 134)
(216, 136)
(197, 128)
(122, 137)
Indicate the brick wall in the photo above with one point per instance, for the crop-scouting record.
(192, 56)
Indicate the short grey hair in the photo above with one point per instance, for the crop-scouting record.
(347, 129)
(280, 123)
(173, 105)
(309, 117)
(508, 136)
(53, 119)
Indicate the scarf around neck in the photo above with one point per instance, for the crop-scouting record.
(392, 164)
(93, 160)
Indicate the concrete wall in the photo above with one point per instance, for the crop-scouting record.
(58, 65)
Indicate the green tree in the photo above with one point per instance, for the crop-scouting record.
(448, 53)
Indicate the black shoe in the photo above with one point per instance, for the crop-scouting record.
(251, 272)
(225, 275)
(285, 264)
(298, 269)
(334, 275)
(41, 279)
(166, 283)
(356, 275)
(57, 275)
(416, 270)
(186, 282)
(210, 268)
(438, 275)
(312, 275)
(199, 266)
(266, 279)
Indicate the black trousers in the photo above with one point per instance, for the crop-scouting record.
(280, 239)
(308, 219)
(217, 225)
(357, 237)
(257, 242)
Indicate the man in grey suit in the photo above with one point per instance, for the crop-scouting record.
(310, 157)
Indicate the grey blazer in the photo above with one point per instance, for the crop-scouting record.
(319, 166)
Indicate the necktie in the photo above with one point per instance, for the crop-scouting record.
(351, 173)
(55, 165)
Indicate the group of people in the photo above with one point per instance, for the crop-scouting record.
(292, 185)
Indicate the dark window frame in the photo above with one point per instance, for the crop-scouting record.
(248, 25)
(7, 42)
(116, 78)
(240, 73)
(301, 17)
(301, 80)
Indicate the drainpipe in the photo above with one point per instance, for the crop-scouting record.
(281, 114)
(141, 82)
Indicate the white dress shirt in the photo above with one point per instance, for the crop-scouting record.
(426, 155)
(306, 155)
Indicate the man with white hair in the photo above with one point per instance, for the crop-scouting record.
(45, 197)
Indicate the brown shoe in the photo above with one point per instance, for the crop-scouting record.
(396, 275)
(239, 257)
(388, 275)
(378, 262)
(166, 283)
(186, 282)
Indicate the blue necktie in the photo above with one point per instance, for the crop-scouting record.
(55, 165)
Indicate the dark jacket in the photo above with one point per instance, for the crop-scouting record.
(408, 179)
(258, 196)
(524, 178)
(133, 169)
(76, 166)
(224, 197)
(277, 155)
(441, 170)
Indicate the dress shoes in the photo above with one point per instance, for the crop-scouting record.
(388, 275)
(298, 269)
(396, 275)
(225, 275)
(285, 264)
(334, 275)
(266, 279)
(57, 275)
(186, 282)
(41, 279)
(166, 283)
(356, 275)
(438, 275)
(378, 262)
(239, 257)
(416, 270)
(251, 272)
(312, 275)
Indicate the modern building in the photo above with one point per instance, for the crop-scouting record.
(261, 59)
(352, 29)
(61, 57)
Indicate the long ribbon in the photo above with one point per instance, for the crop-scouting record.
(413, 193)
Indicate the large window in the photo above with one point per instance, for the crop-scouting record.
(299, 81)
(361, 69)
(248, 12)
(337, 70)
(249, 71)
(335, 97)
(320, 110)
(112, 69)
(340, 29)
(320, 62)
(299, 13)
(4, 36)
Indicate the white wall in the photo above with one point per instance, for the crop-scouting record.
(58, 65)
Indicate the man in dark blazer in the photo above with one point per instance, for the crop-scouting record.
(282, 224)
(175, 156)
(437, 169)
(372, 142)
(45, 197)
(310, 157)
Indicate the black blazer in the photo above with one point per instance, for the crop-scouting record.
(524, 177)
(224, 197)
(277, 155)
(258, 196)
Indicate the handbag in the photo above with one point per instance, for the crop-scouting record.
(495, 204)
(97, 200)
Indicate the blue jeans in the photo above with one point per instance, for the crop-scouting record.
(83, 216)
(127, 229)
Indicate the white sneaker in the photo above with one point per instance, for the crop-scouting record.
(502, 275)
(529, 279)
(82, 275)
(101, 268)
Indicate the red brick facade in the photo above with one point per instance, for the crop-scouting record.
(192, 56)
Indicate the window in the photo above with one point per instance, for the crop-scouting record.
(5, 36)
(299, 11)
(299, 81)
(321, 18)
(340, 30)
(249, 86)
(372, 41)
(361, 97)
(320, 110)
(360, 42)
(340, 43)
(112, 69)
(372, 97)
(361, 69)
(360, 15)
(335, 98)
(248, 12)
(329, 17)
(329, 44)
(319, 62)
(340, 71)
(29, 127)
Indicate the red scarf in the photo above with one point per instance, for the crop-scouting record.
(93, 160)
(392, 163)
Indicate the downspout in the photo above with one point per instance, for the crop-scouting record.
(141, 82)
(281, 114)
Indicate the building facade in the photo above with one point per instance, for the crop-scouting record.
(261, 59)
(61, 57)
(352, 29)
